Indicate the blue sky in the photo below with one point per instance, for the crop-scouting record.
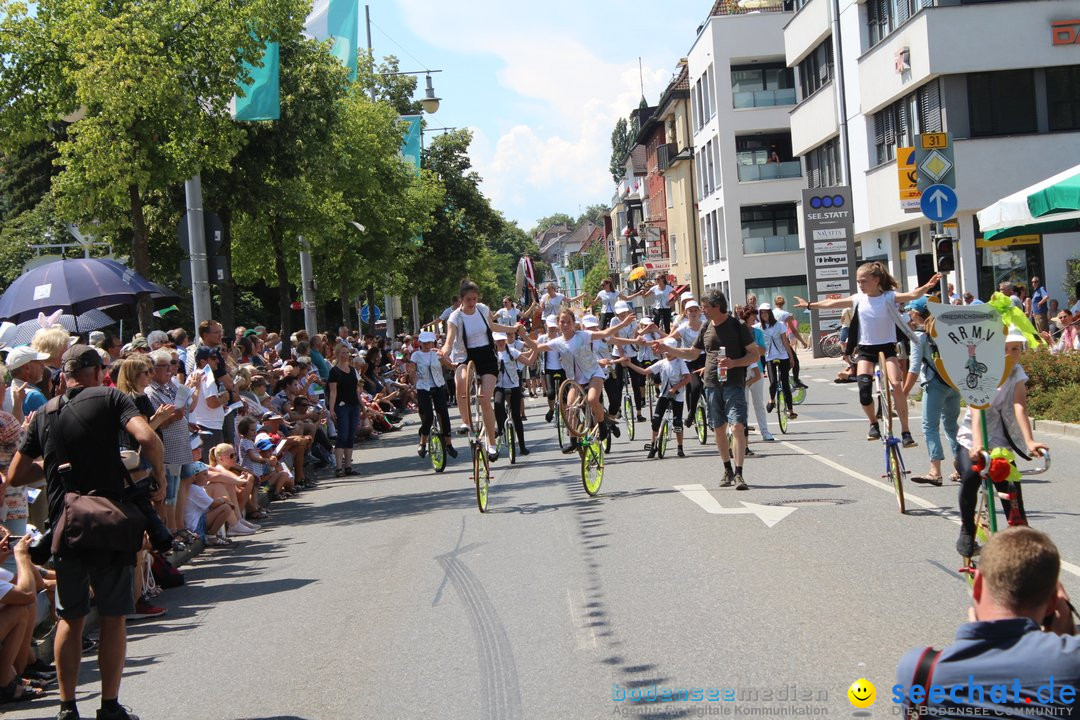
(541, 84)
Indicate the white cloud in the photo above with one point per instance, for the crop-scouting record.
(560, 161)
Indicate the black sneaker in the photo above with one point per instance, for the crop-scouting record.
(451, 450)
(680, 452)
(750, 453)
(639, 418)
(801, 384)
(119, 714)
(874, 433)
(770, 406)
(965, 545)
(614, 428)
(548, 415)
(908, 440)
(571, 447)
(523, 451)
(68, 715)
(728, 480)
(740, 484)
(652, 450)
(422, 451)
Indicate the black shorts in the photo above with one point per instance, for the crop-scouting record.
(554, 380)
(870, 352)
(484, 359)
(113, 586)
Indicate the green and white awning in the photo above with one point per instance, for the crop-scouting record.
(1052, 205)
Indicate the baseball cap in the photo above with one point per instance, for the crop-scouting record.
(265, 444)
(96, 336)
(140, 343)
(551, 321)
(496, 336)
(427, 336)
(918, 304)
(192, 469)
(645, 321)
(622, 306)
(764, 306)
(670, 342)
(1015, 336)
(687, 296)
(691, 304)
(590, 321)
(17, 357)
(78, 357)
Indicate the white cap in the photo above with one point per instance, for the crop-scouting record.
(691, 304)
(96, 336)
(1015, 336)
(496, 336)
(427, 336)
(551, 321)
(622, 306)
(687, 296)
(764, 306)
(645, 321)
(23, 354)
(670, 342)
(590, 321)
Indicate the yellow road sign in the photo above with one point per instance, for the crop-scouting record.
(931, 141)
(907, 178)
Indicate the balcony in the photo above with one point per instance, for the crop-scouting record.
(665, 155)
(806, 30)
(770, 244)
(763, 98)
(813, 121)
(749, 172)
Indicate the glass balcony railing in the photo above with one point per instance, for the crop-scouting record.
(770, 171)
(770, 244)
(764, 98)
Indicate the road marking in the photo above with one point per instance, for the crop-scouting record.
(701, 497)
(820, 380)
(908, 497)
(834, 420)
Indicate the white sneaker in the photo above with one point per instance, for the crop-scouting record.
(239, 529)
(767, 437)
(250, 525)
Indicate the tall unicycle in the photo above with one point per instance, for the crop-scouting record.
(437, 451)
(700, 424)
(480, 465)
(628, 414)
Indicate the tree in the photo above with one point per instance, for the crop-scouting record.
(152, 82)
(594, 213)
(622, 142)
(553, 220)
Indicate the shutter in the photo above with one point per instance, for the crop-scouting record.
(930, 107)
(902, 11)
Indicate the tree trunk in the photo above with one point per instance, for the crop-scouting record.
(371, 308)
(228, 287)
(346, 309)
(284, 289)
(140, 255)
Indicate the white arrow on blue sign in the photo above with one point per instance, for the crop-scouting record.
(939, 203)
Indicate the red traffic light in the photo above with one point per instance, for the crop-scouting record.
(946, 262)
(296, 305)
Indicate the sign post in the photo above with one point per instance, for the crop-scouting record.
(829, 236)
(936, 168)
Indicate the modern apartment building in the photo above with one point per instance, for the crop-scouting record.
(1002, 77)
(747, 178)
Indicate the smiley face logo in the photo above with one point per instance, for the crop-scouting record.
(862, 693)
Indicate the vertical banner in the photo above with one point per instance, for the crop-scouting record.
(338, 20)
(971, 350)
(261, 98)
(829, 236)
(410, 144)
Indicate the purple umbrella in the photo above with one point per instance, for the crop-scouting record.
(73, 286)
(90, 320)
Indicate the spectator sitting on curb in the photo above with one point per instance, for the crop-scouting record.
(1020, 635)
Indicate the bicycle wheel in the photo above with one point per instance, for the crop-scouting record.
(481, 475)
(885, 393)
(781, 410)
(559, 425)
(572, 404)
(511, 441)
(830, 346)
(798, 395)
(628, 412)
(437, 452)
(895, 467)
(592, 467)
(661, 439)
(700, 424)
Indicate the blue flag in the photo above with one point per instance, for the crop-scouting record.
(262, 94)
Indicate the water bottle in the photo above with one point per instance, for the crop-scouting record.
(721, 372)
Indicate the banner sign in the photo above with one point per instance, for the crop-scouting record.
(829, 238)
(971, 348)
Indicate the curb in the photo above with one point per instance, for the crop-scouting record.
(1054, 427)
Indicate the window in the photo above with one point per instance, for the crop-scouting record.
(710, 167)
(769, 228)
(721, 237)
(767, 288)
(714, 163)
(898, 124)
(884, 16)
(765, 156)
(704, 235)
(1001, 103)
(668, 193)
(710, 253)
(674, 249)
(699, 118)
(762, 85)
(1063, 97)
(816, 69)
(823, 165)
(708, 101)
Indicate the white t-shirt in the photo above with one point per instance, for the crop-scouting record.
(203, 414)
(774, 342)
(198, 502)
(551, 357)
(784, 318)
(552, 305)
(577, 356)
(429, 372)
(1075, 308)
(628, 332)
(645, 353)
(876, 324)
(519, 345)
(508, 368)
(671, 371)
(688, 335)
(445, 315)
(507, 316)
(7, 581)
(472, 329)
(1001, 408)
(660, 297)
(608, 298)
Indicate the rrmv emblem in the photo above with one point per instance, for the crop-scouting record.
(971, 350)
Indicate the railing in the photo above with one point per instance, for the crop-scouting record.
(770, 244)
(770, 171)
(763, 98)
(744, 7)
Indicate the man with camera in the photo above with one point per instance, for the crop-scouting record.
(80, 444)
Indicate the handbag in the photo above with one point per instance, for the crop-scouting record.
(90, 523)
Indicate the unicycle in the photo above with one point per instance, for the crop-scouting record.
(582, 427)
(629, 412)
(480, 465)
(662, 436)
(894, 462)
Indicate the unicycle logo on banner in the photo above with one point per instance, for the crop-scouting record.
(971, 350)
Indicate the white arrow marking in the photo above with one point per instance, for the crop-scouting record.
(938, 197)
(768, 514)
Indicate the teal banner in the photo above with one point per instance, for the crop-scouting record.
(261, 99)
(410, 144)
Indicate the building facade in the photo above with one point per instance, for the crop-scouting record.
(1001, 77)
(747, 180)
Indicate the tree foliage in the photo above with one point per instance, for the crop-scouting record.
(622, 142)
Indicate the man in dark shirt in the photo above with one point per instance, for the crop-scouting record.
(89, 422)
(1019, 657)
(725, 398)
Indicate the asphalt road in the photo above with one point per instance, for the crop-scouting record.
(391, 596)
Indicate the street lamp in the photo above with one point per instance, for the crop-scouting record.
(430, 103)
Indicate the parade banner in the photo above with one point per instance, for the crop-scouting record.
(971, 349)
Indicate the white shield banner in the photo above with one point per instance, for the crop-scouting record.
(971, 348)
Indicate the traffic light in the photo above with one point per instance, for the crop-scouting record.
(946, 262)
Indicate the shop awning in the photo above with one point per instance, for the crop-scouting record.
(1052, 205)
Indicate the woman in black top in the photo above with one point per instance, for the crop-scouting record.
(344, 408)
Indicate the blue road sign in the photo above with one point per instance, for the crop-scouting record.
(365, 313)
(938, 203)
